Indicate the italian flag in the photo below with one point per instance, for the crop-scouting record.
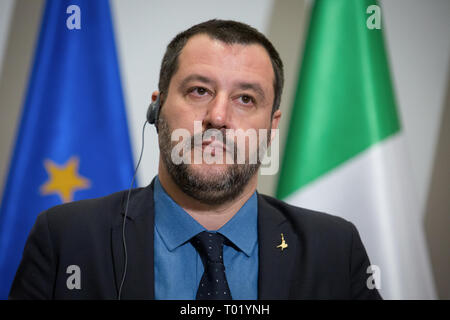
(345, 151)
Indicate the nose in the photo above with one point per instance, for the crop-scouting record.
(217, 113)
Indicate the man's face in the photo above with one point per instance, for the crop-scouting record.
(222, 87)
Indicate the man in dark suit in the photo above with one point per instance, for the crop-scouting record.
(200, 230)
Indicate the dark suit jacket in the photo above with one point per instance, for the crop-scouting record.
(325, 258)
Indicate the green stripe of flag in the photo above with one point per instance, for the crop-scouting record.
(344, 100)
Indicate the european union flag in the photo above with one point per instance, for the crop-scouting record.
(73, 140)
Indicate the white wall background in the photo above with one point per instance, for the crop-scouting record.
(6, 136)
(418, 41)
(6, 7)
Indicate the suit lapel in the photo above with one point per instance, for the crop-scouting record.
(276, 265)
(139, 231)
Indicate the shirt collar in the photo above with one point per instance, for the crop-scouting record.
(242, 229)
(172, 222)
(176, 226)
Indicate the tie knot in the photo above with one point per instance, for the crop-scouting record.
(209, 245)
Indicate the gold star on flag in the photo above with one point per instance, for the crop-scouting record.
(63, 180)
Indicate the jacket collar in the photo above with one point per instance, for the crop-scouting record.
(276, 265)
(141, 201)
(139, 231)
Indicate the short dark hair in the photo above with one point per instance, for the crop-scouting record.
(229, 32)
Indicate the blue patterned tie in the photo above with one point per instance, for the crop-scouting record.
(213, 285)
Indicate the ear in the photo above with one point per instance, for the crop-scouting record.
(275, 122)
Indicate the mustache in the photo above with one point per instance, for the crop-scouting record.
(234, 145)
(241, 146)
(217, 135)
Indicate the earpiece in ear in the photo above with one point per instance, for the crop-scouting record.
(153, 111)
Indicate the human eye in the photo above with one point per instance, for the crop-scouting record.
(198, 91)
(246, 100)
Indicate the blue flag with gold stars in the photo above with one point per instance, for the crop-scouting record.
(73, 140)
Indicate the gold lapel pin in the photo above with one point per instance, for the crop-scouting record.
(283, 244)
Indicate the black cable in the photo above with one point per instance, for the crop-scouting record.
(125, 217)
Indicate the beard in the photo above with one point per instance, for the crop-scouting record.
(211, 188)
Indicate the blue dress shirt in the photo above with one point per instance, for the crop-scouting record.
(178, 266)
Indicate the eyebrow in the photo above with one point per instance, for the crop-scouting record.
(254, 86)
(196, 77)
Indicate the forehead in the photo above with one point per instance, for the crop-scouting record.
(235, 61)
